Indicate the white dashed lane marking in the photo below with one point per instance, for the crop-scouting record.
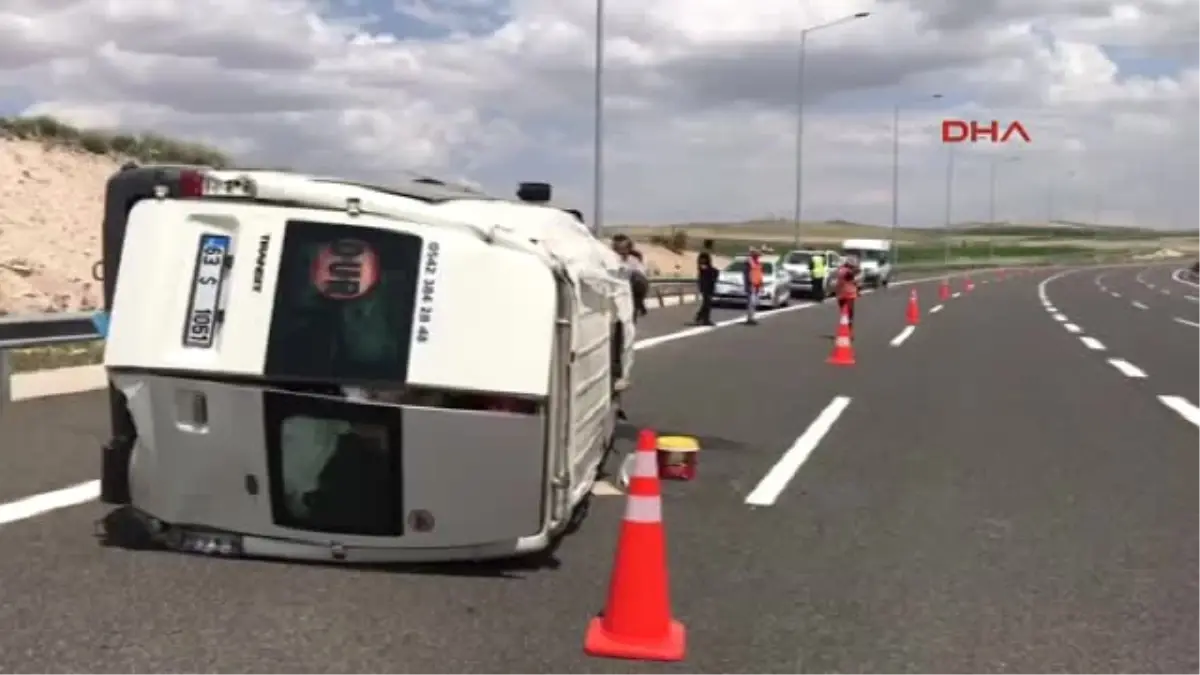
(899, 339)
(1072, 328)
(1139, 305)
(1092, 343)
(1127, 369)
(1184, 407)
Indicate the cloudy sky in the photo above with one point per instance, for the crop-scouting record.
(701, 97)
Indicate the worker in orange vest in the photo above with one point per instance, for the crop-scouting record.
(846, 287)
(752, 277)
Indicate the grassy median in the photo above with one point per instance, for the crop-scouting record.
(63, 355)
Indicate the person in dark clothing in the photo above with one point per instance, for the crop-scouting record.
(706, 282)
(641, 283)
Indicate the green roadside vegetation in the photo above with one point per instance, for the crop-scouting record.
(926, 253)
(65, 355)
(143, 147)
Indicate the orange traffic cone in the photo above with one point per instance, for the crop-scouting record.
(914, 311)
(944, 290)
(843, 348)
(968, 285)
(1000, 274)
(637, 622)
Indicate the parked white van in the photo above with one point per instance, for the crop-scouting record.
(874, 257)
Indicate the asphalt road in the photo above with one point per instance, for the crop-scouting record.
(986, 494)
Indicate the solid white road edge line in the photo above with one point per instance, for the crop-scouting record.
(647, 343)
(1092, 343)
(1182, 406)
(1127, 369)
(46, 502)
(1177, 275)
(772, 484)
(899, 339)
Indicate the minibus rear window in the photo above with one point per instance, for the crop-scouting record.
(335, 466)
(344, 302)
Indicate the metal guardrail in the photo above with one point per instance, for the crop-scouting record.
(39, 330)
(20, 331)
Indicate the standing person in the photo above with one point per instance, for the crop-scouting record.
(846, 288)
(817, 273)
(631, 269)
(706, 282)
(752, 279)
(640, 280)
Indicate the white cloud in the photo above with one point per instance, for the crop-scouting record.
(701, 96)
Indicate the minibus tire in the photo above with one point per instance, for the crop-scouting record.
(114, 472)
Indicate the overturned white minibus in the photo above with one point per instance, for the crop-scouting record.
(311, 368)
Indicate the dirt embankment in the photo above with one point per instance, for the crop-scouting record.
(51, 207)
(662, 262)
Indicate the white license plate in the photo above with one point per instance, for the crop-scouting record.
(201, 325)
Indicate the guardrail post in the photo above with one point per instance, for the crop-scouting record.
(5, 379)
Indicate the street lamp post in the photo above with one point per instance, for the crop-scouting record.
(598, 126)
(798, 206)
(949, 201)
(896, 178)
